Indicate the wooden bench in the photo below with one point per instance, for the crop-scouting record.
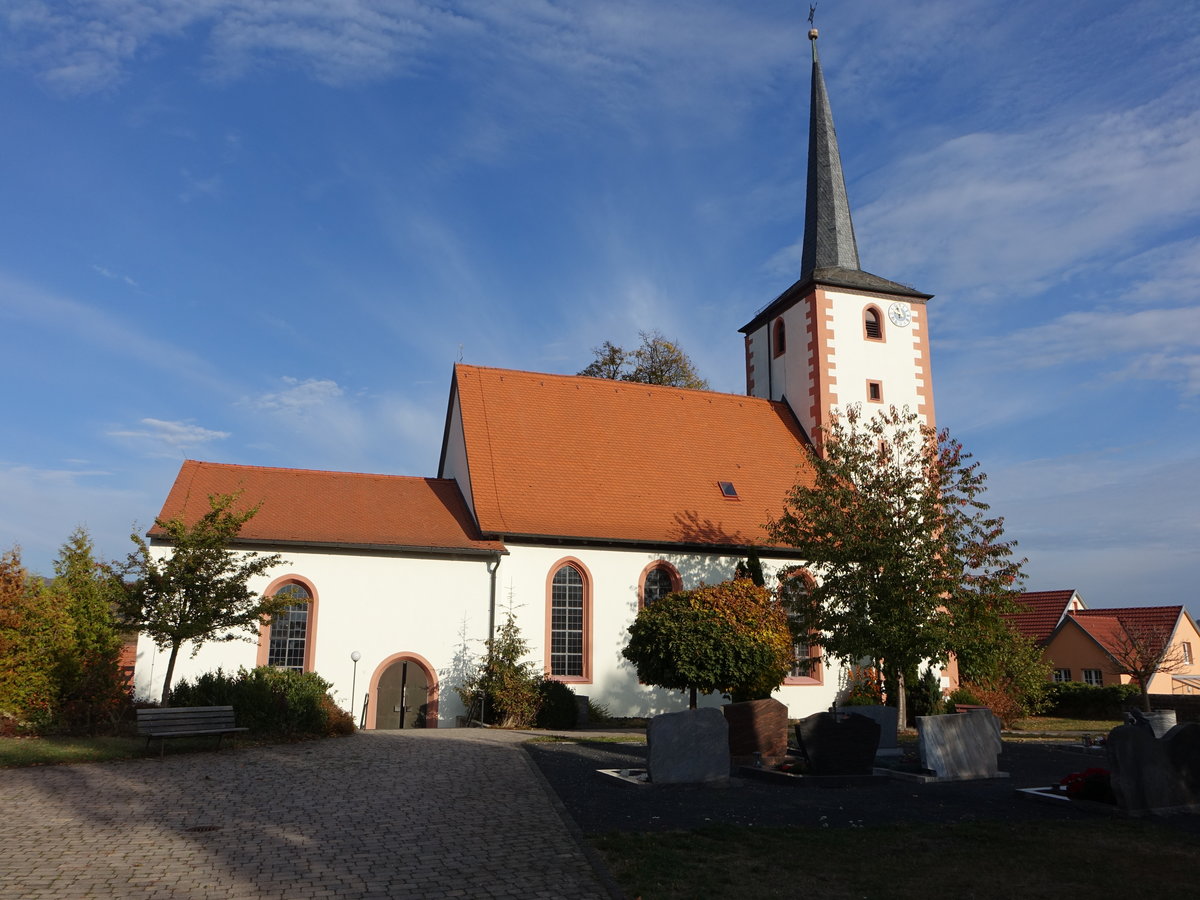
(186, 721)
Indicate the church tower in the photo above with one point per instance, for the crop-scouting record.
(839, 335)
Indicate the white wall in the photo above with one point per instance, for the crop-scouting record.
(382, 605)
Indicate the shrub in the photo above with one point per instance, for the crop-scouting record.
(559, 709)
(925, 696)
(863, 687)
(964, 695)
(1076, 700)
(269, 701)
(1004, 704)
(509, 688)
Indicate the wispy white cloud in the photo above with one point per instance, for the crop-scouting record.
(300, 396)
(195, 186)
(171, 439)
(94, 327)
(985, 215)
(114, 276)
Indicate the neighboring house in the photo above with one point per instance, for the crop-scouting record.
(1098, 646)
(571, 500)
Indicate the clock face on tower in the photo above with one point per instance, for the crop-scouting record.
(900, 314)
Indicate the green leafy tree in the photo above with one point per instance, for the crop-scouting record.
(656, 361)
(910, 562)
(731, 637)
(93, 689)
(198, 592)
(35, 642)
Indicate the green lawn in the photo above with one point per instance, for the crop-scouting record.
(1051, 724)
(1096, 858)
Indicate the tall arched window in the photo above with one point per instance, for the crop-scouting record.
(288, 641)
(795, 590)
(873, 323)
(778, 338)
(568, 623)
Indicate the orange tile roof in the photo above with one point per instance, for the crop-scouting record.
(1040, 613)
(595, 459)
(302, 506)
(1108, 627)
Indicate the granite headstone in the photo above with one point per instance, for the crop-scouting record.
(838, 743)
(960, 745)
(757, 727)
(688, 747)
(888, 718)
(1152, 774)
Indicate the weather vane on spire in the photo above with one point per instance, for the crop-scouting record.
(812, 29)
(812, 13)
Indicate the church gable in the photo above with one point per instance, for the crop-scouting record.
(592, 459)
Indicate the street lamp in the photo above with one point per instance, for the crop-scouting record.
(355, 656)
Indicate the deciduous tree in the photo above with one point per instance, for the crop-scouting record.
(656, 361)
(731, 637)
(910, 563)
(1142, 650)
(198, 592)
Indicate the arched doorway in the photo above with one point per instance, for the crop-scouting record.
(404, 693)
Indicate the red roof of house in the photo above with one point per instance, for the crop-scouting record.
(1041, 612)
(594, 459)
(302, 506)
(1109, 627)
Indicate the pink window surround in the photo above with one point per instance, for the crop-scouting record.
(586, 577)
(432, 689)
(310, 634)
(672, 573)
(778, 339)
(874, 391)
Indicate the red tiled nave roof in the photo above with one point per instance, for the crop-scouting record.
(303, 506)
(595, 459)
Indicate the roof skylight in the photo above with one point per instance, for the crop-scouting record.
(728, 491)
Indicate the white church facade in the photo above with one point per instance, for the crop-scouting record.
(570, 500)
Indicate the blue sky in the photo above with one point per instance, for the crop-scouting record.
(263, 233)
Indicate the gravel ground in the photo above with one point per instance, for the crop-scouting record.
(599, 803)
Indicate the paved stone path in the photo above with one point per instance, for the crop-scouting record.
(430, 814)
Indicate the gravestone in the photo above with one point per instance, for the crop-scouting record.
(688, 747)
(888, 718)
(838, 743)
(960, 745)
(1155, 775)
(757, 726)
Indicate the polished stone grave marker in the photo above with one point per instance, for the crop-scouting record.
(688, 747)
(1155, 775)
(838, 743)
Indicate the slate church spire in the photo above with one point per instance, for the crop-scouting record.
(828, 230)
(839, 335)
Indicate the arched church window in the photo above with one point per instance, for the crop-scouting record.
(659, 581)
(569, 589)
(779, 338)
(873, 323)
(288, 641)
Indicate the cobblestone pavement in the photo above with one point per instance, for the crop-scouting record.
(430, 814)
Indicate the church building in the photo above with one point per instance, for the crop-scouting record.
(549, 500)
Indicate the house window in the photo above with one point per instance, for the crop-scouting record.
(875, 391)
(778, 338)
(287, 644)
(1062, 675)
(873, 323)
(658, 581)
(568, 636)
(795, 590)
(1186, 649)
(1094, 677)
